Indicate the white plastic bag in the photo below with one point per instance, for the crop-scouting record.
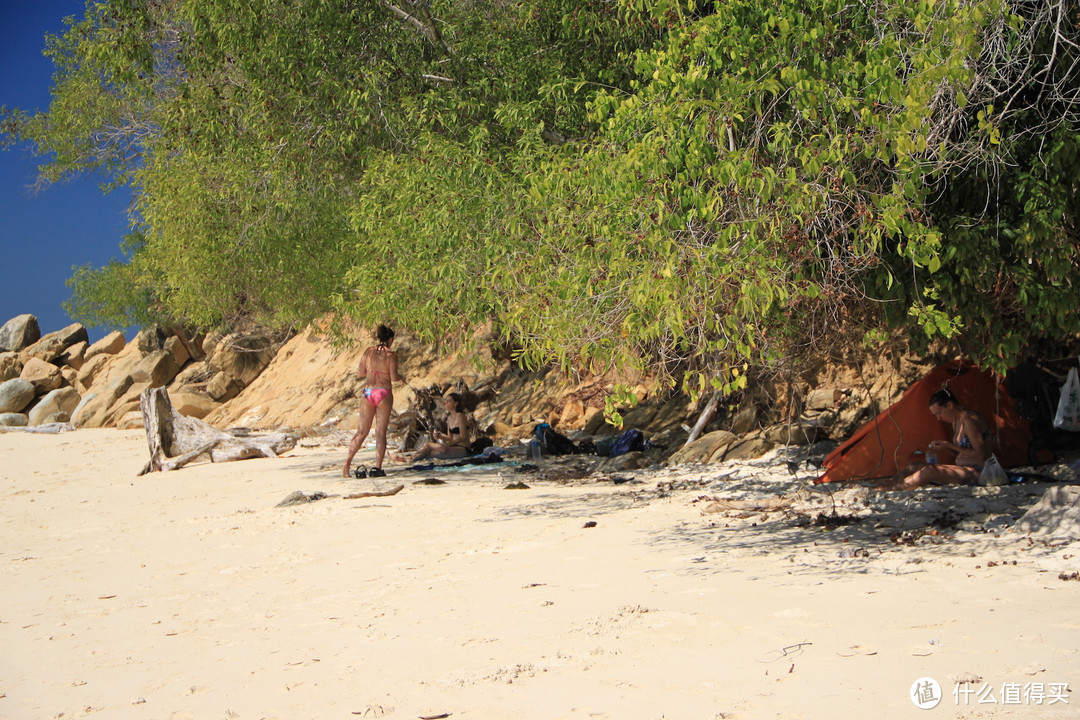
(1068, 409)
(992, 472)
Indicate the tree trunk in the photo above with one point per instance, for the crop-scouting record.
(175, 440)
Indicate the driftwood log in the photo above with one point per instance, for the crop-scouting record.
(175, 439)
(705, 418)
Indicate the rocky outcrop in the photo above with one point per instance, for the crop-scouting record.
(261, 381)
(63, 376)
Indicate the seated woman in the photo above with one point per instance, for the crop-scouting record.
(970, 443)
(455, 443)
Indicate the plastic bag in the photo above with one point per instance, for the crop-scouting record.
(1068, 409)
(992, 472)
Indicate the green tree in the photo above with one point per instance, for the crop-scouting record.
(682, 185)
(246, 128)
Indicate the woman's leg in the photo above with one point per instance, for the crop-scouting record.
(382, 421)
(366, 414)
(941, 475)
(451, 452)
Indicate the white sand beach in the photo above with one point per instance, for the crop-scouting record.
(698, 594)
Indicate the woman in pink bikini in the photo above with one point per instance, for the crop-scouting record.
(378, 367)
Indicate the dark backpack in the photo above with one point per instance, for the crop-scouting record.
(628, 441)
(552, 442)
(480, 444)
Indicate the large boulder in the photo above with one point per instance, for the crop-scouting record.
(50, 347)
(193, 404)
(111, 344)
(45, 376)
(56, 406)
(15, 395)
(243, 357)
(19, 332)
(10, 365)
(158, 369)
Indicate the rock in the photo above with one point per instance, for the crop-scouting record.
(630, 461)
(45, 376)
(193, 404)
(823, 399)
(10, 366)
(50, 347)
(671, 439)
(595, 424)
(89, 372)
(10, 419)
(210, 345)
(702, 449)
(745, 420)
(176, 347)
(60, 401)
(18, 333)
(111, 344)
(573, 414)
(94, 409)
(47, 349)
(15, 395)
(131, 420)
(71, 377)
(74, 356)
(72, 334)
(223, 388)
(751, 447)
(157, 369)
(196, 372)
(243, 357)
(799, 433)
(150, 340)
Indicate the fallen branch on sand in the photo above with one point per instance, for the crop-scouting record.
(376, 493)
(175, 439)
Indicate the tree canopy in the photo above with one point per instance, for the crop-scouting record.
(681, 185)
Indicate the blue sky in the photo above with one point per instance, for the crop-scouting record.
(43, 236)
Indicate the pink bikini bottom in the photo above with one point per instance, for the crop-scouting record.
(375, 395)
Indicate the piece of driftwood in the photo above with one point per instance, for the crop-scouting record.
(376, 493)
(175, 439)
(706, 417)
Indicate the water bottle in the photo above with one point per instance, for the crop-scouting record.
(535, 450)
(931, 456)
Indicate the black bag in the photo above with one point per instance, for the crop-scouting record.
(480, 444)
(552, 442)
(629, 441)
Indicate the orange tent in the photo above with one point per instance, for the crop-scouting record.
(883, 446)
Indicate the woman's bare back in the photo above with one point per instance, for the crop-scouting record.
(379, 367)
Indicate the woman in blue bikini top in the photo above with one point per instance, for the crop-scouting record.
(971, 443)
